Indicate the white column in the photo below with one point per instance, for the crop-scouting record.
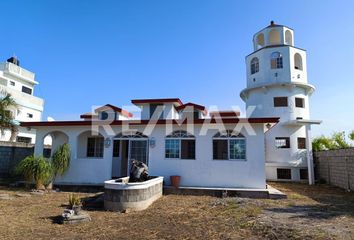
(39, 145)
(309, 156)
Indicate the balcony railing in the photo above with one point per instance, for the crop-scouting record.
(24, 98)
(17, 71)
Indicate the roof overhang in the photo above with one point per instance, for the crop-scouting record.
(114, 108)
(175, 101)
(302, 122)
(222, 114)
(265, 87)
(147, 122)
(192, 106)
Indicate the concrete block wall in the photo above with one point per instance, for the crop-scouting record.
(11, 153)
(336, 167)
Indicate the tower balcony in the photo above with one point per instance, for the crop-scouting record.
(24, 99)
(17, 71)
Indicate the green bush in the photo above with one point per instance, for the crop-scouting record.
(351, 135)
(37, 169)
(61, 160)
(335, 141)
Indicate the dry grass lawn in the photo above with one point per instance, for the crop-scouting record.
(317, 212)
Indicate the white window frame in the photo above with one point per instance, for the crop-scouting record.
(180, 145)
(228, 147)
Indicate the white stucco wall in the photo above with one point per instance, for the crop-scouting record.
(203, 171)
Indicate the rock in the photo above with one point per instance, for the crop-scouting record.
(82, 217)
(23, 195)
(67, 214)
(5, 196)
(37, 192)
(126, 211)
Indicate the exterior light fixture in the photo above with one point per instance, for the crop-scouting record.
(152, 142)
(107, 142)
(268, 125)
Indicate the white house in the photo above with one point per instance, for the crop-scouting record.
(20, 83)
(171, 137)
(219, 149)
(277, 86)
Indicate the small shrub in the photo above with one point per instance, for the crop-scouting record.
(74, 200)
(351, 135)
(61, 160)
(37, 169)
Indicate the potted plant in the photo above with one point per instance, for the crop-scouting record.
(175, 180)
(75, 203)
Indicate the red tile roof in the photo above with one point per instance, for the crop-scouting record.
(224, 114)
(176, 101)
(114, 108)
(194, 106)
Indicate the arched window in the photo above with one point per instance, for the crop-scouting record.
(288, 37)
(276, 60)
(229, 145)
(180, 145)
(260, 40)
(130, 134)
(254, 65)
(274, 37)
(297, 61)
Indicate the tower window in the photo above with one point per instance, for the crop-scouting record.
(254, 65)
(300, 102)
(29, 115)
(280, 102)
(301, 143)
(282, 142)
(260, 40)
(276, 60)
(298, 61)
(283, 173)
(274, 37)
(288, 37)
(26, 90)
(303, 174)
(12, 83)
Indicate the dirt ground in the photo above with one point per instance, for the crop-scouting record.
(316, 212)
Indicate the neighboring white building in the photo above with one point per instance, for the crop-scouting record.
(277, 86)
(20, 83)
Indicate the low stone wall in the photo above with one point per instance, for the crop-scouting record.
(120, 196)
(11, 153)
(336, 167)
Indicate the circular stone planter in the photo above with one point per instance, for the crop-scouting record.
(120, 195)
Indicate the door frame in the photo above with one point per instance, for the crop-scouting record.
(129, 140)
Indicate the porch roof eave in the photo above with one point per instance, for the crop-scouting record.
(147, 122)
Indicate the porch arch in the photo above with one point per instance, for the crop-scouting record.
(52, 140)
(90, 144)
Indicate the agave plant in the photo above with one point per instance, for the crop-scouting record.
(37, 169)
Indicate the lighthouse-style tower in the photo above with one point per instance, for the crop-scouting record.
(277, 86)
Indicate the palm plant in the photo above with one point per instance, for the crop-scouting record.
(61, 160)
(6, 118)
(37, 169)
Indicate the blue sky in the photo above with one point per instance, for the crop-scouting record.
(87, 53)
